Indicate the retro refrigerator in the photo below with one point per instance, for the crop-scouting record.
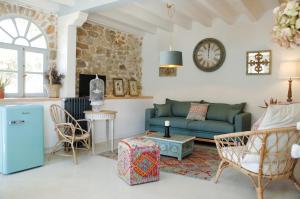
(21, 137)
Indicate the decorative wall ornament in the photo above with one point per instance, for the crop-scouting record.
(167, 72)
(133, 90)
(209, 55)
(118, 87)
(286, 30)
(259, 62)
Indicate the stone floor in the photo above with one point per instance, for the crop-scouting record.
(95, 178)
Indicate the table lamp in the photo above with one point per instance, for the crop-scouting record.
(289, 70)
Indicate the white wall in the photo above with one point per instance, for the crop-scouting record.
(230, 83)
(130, 119)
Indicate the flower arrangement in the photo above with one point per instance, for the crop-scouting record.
(54, 77)
(286, 30)
(55, 82)
(3, 82)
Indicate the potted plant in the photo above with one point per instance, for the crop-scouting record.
(3, 84)
(55, 82)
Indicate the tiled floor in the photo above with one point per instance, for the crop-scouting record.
(95, 178)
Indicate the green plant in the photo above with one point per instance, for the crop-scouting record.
(54, 77)
(3, 82)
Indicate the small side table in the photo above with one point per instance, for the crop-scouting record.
(107, 115)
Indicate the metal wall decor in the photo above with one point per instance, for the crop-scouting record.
(259, 62)
(209, 55)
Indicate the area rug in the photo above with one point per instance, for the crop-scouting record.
(202, 163)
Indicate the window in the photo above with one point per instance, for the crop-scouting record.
(23, 57)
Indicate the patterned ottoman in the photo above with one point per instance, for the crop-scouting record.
(138, 160)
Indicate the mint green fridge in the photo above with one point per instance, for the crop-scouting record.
(21, 137)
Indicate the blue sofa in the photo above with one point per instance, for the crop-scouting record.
(220, 119)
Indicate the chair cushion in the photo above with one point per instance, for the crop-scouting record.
(238, 155)
(177, 122)
(211, 126)
(162, 110)
(197, 111)
(224, 112)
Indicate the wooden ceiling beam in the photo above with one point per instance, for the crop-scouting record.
(254, 8)
(160, 10)
(115, 24)
(129, 20)
(222, 9)
(145, 15)
(195, 13)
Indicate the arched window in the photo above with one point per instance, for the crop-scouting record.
(23, 56)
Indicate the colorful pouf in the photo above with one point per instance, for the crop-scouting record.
(138, 160)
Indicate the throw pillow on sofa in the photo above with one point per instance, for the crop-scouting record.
(162, 110)
(224, 112)
(197, 112)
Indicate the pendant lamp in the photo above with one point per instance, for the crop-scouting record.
(170, 58)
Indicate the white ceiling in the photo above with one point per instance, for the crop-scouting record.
(146, 16)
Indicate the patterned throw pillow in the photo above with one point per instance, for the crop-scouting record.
(197, 111)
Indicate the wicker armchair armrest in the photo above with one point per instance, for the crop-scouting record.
(66, 127)
(89, 124)
(256, 146)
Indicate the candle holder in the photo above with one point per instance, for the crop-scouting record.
(167, 132)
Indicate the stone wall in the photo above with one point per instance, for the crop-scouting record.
(46, 21)
(101, 50)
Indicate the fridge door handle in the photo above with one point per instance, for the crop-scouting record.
(16, 122)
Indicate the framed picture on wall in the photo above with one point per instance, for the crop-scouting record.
(118, 87)
(133, 90)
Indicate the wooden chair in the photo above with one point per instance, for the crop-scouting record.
(69, 130)
(263, 155)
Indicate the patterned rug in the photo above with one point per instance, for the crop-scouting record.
(202, 163)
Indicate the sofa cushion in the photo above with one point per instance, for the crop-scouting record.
(162, 110)
(211, 126)
(177, 122)
(224, 112)
(180, 108)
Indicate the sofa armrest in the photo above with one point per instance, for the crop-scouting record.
(149, 113)
(242, 122)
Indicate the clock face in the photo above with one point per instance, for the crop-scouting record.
(209, 55)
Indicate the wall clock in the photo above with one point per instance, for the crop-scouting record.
(209, 55)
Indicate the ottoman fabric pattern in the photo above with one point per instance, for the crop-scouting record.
(138, 160)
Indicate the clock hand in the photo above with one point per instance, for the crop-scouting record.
(208, 49)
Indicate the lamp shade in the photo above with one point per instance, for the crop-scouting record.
(170, 59)
(289, 70)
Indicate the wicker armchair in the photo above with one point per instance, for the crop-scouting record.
(263, 155)
(69, 130)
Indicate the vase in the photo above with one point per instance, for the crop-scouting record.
(1, 93)
(53, 90)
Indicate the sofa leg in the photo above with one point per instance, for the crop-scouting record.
(295, 181)
(222, 166)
